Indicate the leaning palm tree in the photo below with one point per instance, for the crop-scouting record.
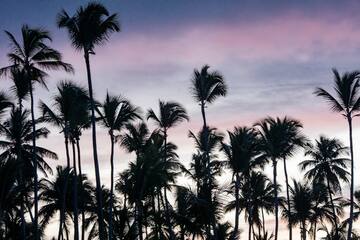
(242, 154)
(34, 57)
(207, 87)
(115, 113)
(347, 102)
(90, 26)
(327, 166)
(170, 114)
(275, 145)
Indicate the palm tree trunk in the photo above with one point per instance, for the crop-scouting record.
(75, 198)
(81, 191)
(333, 208)
(349, 118)
(96, 162)
(203, 113)
(276, 200)
(111, 185)
(288, 199)
(315, 230)
(249, 229)
(36, 200)
(263, 221)
(172, 235)
(63, 200)
(237, 212)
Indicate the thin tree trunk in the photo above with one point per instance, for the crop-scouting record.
(288, 199)
(237, 213)
(263, 221)
(203, 113)
(75, 197)
(63, 200)
(172, 235)
(315, 230)
(96, 161)
(36, 200)
(349, 118)
(81, 191)
(333, 208)
(276, 201)
(111, 185)
(249, 229)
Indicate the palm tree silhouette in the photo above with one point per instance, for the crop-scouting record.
(115, 114)
(70, 103)
(327, 166)
(275, 143)
(242, 155)
(34, 57)
(347, 102)
(170, 114)
(90, 26)
(207, 87)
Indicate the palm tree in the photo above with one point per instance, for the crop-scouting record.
(69, 104)
(207, 87)
(301, 206)
(34, 57)
(294, 139)
(115, 114)
(256, 194)
(90, 26)
(327, 166)
(170, 114)
(204, 168)
(276, 142)
(242, 155)
(347, 102)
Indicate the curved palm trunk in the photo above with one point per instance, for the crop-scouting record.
(276, 200)
(288, 199)
(96, 161)
(111, 185)
(349, 118)
(81, 191)
(75, 198)
(36, 187)
(333, 208)
(237, 209)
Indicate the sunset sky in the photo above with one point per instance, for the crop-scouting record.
(272, 53)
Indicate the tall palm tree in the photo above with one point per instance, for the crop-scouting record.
(347, 102)
(327, 166)
(34, 57)
(207, 87)
(115, 114)
(293, 139)
(70, 103)
(275, 143)
(242, 154)
(90, 26)
(170, 114)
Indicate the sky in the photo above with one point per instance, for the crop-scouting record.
(272, 54)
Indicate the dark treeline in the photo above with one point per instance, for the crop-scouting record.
(144, 200)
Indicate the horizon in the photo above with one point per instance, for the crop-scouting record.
(272, 55)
